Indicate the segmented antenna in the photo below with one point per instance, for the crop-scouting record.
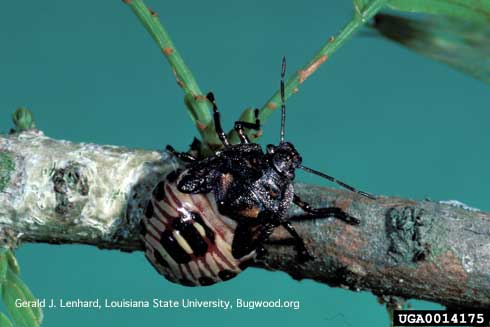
(283, 101)
(330, 178)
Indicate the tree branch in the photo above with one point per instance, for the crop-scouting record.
(61, 192)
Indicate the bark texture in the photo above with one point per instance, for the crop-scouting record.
(61, 192)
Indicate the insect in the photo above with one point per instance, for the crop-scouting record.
(206, 222)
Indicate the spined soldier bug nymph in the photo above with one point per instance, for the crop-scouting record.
(205, 222)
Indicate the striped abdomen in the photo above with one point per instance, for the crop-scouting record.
(187, 240)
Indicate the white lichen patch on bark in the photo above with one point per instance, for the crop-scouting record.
(459, 204)
(79, 191)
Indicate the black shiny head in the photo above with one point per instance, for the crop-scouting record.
(284, 158)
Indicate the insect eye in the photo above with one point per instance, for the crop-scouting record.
(272, 190)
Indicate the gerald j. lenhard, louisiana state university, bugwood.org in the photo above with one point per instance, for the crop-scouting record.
(53, 303)
(155, 303)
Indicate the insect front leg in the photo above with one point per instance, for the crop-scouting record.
(315, 213)
(303, 253)
(241, 125)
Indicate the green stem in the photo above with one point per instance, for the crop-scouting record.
(197, 105)
(292, 84)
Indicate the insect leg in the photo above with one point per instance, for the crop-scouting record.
(240, 125)
(181, 155)
(246, 240)
(315, 213)
(303, 253)
(249, 237)
(217, 121)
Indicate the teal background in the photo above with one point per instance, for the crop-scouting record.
(375, 115)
